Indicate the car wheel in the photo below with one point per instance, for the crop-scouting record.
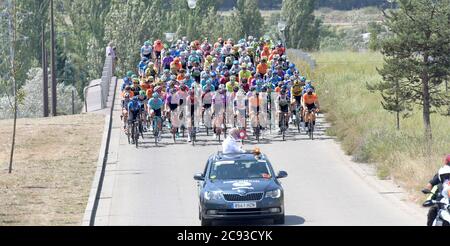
(205, 222)
(279, 220)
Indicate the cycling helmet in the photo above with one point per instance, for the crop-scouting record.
(303, 79)
(155, 95)
(213, 74)
(147, 43)
(292, 65)
(235, 89)
(236, 62)
(142, 93)
(309, 90)
(444, 173)
(283, 92)
(129, 74)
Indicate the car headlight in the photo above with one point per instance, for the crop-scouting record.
(273, 194)
(212, 195)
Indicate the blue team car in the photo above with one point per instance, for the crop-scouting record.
(240, 186)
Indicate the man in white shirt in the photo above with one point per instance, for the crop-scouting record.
(230, 145)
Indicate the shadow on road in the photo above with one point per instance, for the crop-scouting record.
(290, 220)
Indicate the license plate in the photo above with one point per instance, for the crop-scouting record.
(244, 205)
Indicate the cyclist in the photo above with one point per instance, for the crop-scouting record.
(172, 104)
(157, 48)
(262, 67)
(147, 50)
(283, 108)
(310, 101)
(134, 111)
(127, 80)
(231, 84)
(244, 73)
(175, 66)
(296, 94)
(192, 112)
(125, 100)
(142, 66)
(167, 60)
(142, 97)
(155, 105)
(218, 102)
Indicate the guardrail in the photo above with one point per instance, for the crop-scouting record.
(105, 83)
(305, 57)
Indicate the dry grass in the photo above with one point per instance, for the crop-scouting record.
(366, 131)
(55, 161)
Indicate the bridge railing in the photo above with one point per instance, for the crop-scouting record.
(104, 84)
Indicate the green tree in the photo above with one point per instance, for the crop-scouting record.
(250, 18)
(303, 29)
(416, 55)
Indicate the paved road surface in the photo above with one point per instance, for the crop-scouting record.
(154, 185)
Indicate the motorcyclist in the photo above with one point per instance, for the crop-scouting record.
(436, 185)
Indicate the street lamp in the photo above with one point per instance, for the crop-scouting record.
(192, 4)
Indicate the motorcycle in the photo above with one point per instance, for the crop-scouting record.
(443, 215)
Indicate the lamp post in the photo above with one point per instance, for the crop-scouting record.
(53, 59)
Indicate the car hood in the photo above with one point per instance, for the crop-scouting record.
(246, 186)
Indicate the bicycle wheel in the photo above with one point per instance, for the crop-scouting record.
(136, 131)
(310, 129)
(174, 135)
(128, 134)
(283, 127)
(257, 133)
(193, 136)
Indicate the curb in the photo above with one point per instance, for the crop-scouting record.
(96, 188)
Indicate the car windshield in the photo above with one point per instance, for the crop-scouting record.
(240, 169)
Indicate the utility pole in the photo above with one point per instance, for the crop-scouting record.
(45, 73)
(12, 36)
(53, 57)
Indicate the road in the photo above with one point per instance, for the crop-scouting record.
(154, 185)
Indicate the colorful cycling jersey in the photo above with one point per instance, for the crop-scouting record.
(155, 103)
(230, 86)
(291, 72)
(134, 106)
(166, 61)
(126, 81)
(310, 99)
(296, 90)
(146, 50)
(244, 74)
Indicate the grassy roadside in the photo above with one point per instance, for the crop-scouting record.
(55, 161)
(366, 131)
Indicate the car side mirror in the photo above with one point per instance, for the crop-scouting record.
(199, 177)
(282, 174)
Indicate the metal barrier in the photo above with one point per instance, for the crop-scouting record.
(105, 83)
(305, 57)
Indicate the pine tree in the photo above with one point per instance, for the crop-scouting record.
(417, 54)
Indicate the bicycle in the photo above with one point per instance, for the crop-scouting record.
(298, 117)
(157, 127)
(135, 133)
(283, 127)
(310, 119)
